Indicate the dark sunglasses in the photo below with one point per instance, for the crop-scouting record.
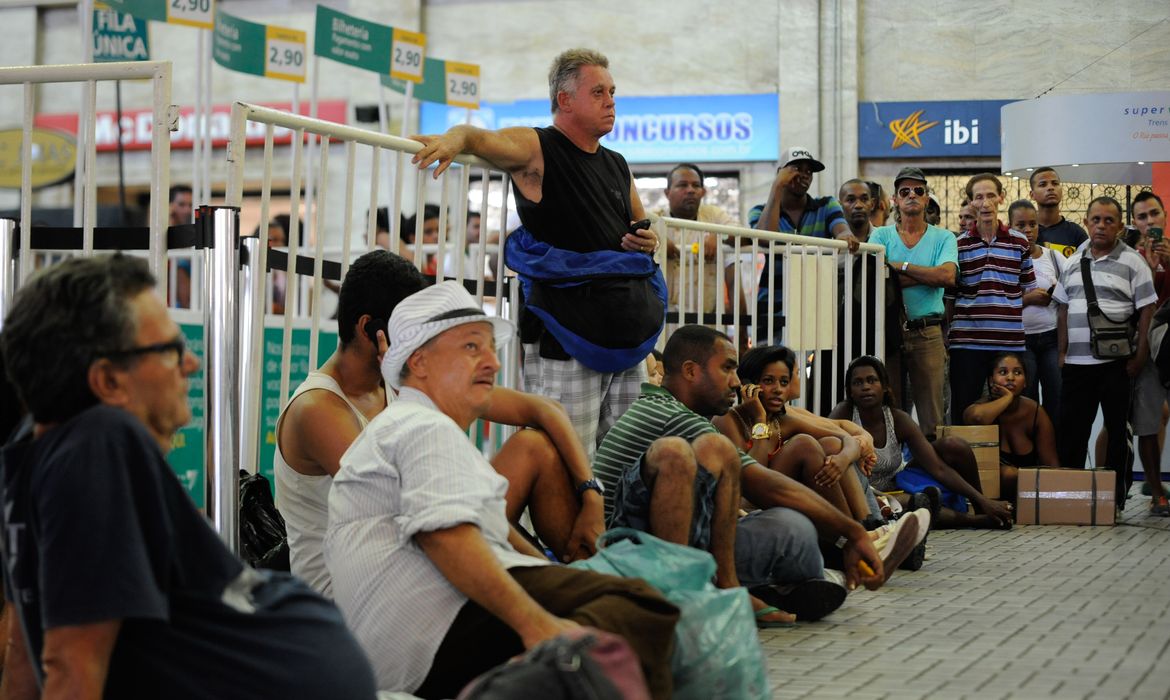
(905, 191)
(178, 346)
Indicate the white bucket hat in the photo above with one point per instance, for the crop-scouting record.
(427, 313)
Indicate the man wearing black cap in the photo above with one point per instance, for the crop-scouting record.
(926, 260)
(790, 209)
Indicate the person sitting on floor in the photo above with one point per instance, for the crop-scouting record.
(761, 425)
(116, 585)
(947, 464)
(546, 467)
(673, 475)
(1026, 435)
(435, 582)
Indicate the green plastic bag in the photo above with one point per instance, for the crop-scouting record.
(716, 647)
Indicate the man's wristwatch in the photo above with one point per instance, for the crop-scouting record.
(905, 265)
(590, 485)
(761, 431)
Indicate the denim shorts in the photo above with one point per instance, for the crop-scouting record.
(631, 504)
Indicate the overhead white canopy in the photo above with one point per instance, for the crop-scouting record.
(1104, 137)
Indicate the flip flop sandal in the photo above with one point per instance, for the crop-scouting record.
(770, 624)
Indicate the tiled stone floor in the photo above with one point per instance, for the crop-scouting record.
(1036, 612)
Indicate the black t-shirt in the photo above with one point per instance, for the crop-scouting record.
(98, 528)
(585, 197)
(1064, 236)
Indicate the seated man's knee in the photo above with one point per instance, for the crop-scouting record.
(716, 453)
(670, 457)
(535, 446)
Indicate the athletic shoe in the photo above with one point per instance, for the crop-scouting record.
(1160, 507)
(906, 534)
(808, 600)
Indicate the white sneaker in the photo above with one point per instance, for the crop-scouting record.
(905, 535)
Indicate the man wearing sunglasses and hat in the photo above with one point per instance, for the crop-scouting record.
(436, 584)
(926, 261)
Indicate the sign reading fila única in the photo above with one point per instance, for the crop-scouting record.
(444, 82)
(928, 129)
(118, 36)
(138, 125)
(670, 129)
(193, 13)
(259, 49)
(368, 45)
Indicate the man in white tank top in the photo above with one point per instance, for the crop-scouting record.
(546, 468)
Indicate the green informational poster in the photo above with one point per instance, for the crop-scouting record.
(119, 37)
(444, 82)
(368, 45)
(258, 49)
(186, 455)
(270, 405)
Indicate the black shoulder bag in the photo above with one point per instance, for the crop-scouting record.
(1108, 339)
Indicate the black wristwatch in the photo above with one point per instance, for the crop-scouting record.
(590, 485)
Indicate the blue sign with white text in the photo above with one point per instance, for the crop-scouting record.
(695, 128)
(928, 129)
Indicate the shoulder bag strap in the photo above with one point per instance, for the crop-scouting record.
(1090, 291)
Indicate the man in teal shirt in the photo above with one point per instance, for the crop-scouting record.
(926, 259)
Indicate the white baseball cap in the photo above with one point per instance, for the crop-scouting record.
(427, 313)
(800, 153)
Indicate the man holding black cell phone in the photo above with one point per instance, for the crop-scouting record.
(1146, 412)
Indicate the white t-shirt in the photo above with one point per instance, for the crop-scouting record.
(1048, 268)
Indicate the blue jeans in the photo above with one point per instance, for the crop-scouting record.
(1040, 362)
(776, 545)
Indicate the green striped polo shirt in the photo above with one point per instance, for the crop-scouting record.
(654, 415)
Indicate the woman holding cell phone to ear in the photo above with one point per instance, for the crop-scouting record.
(1041, 360)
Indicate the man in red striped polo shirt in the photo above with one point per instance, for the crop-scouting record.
(985, 310)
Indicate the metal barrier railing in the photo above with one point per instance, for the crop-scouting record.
(85, 210)
(810, 324)
(239, 332)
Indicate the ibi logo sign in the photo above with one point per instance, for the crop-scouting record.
(928, 129)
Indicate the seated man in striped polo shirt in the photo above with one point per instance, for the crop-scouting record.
(985, 310)
(672, 474)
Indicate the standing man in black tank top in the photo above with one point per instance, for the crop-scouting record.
(575, 197)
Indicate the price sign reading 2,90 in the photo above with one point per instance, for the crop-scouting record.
(197, 13)
(462, 84)
(406, 55)
(284, 54)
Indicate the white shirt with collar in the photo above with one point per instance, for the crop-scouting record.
(411, 470)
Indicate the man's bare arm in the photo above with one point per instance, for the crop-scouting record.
(464, 558)
(317, 429)
(19, 682)
(933, 276)
(515, 149)
(511, 407)
(77, 660)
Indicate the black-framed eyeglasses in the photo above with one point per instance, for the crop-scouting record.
(178, 347)
(905, 191)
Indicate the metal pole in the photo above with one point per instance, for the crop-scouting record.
(251, 287)
(7, 269)
(222, 353)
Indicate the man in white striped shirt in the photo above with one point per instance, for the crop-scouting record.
(1124, 289)
(433, 580)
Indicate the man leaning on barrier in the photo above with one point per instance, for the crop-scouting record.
(435, 581)
(584, 341)
(116, 585)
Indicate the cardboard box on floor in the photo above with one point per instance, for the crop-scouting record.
(1066, 497)
(984, 441)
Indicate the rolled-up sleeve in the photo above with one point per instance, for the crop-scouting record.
(436, 493)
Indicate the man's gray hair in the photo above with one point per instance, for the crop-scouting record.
(562, 76)
(64, 318)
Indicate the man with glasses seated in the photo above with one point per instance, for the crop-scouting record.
(926, 260)
(116, 585)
